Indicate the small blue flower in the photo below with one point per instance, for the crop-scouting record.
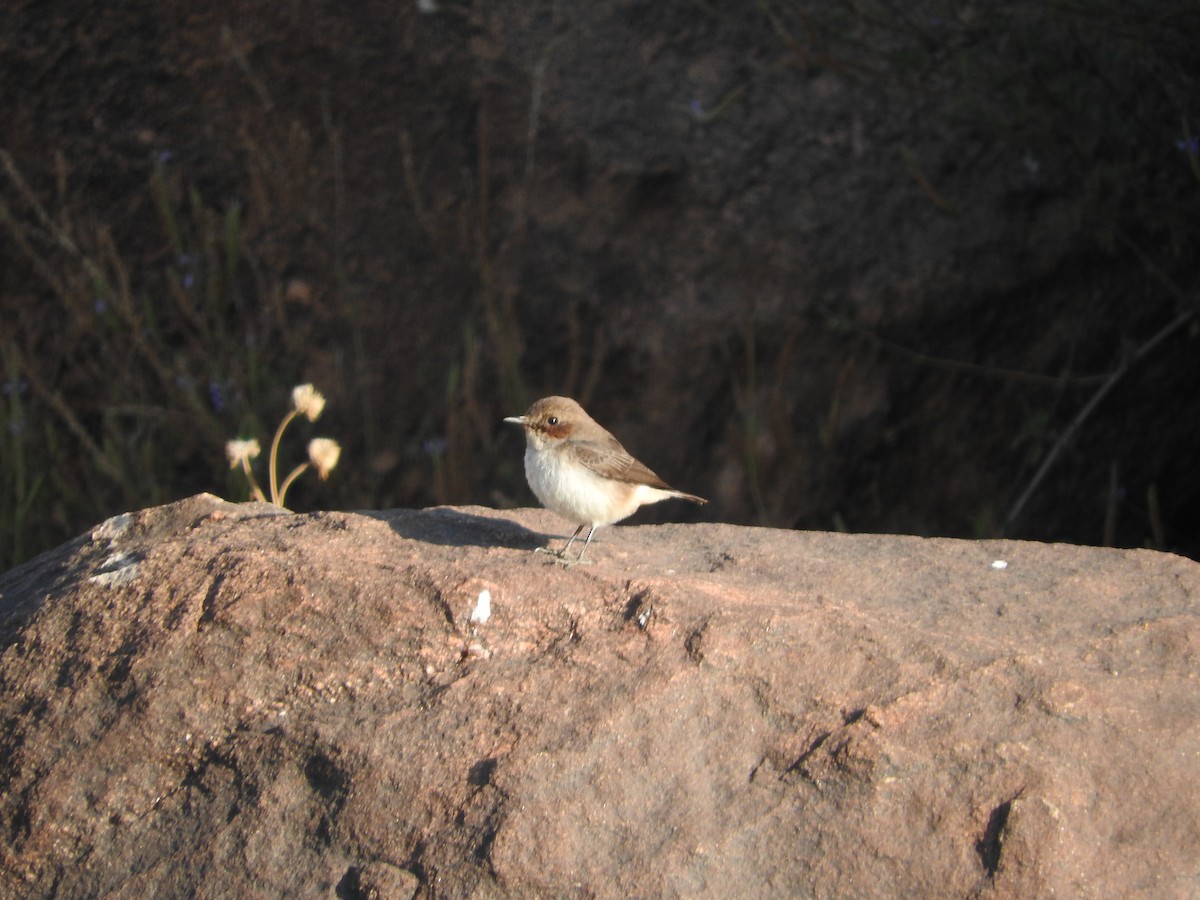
(1189, 145)
(216, 396)
(434, 447)
(100, 306)
(164, 157)
(188, 280)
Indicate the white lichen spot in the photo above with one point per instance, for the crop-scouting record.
(111, 529)
(1000, 564)
(483, 608)
(118, 569)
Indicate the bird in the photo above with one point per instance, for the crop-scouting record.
(579, 470)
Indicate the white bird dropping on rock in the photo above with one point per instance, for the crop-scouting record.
(483, 608)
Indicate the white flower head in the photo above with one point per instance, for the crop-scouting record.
(240, 452)
(308, 401)
(323, 453)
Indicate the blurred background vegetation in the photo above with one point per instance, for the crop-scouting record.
(860, 265)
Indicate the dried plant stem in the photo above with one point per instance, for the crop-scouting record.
(287, 482)
(272, 483)
(254, 488)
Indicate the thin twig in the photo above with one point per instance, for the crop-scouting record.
(1065, 438)
(1163, 278)
(413, 183)
(970, 368)
(55, 401)
(238, 56)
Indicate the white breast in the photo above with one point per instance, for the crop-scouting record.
(578, 494)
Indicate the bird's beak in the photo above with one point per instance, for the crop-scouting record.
(516, 420)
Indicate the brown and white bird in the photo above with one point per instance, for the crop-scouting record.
(580, 471)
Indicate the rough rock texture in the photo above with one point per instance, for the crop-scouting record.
(219, 700)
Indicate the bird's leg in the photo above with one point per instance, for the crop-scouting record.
(561, 555)
(563, 551)
(580, 558)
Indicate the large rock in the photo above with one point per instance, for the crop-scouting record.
(206, 699)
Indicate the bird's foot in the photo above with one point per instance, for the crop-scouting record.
(560, 557)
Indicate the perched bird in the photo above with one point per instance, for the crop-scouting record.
(580, 471)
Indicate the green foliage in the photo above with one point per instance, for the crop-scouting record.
(121, 394)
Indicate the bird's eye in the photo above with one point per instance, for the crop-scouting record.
(553, 420)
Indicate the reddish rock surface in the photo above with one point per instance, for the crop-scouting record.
(217, 700)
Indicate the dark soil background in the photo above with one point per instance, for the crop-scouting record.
(923, 268)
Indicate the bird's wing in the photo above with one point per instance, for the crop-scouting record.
(611, 460)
